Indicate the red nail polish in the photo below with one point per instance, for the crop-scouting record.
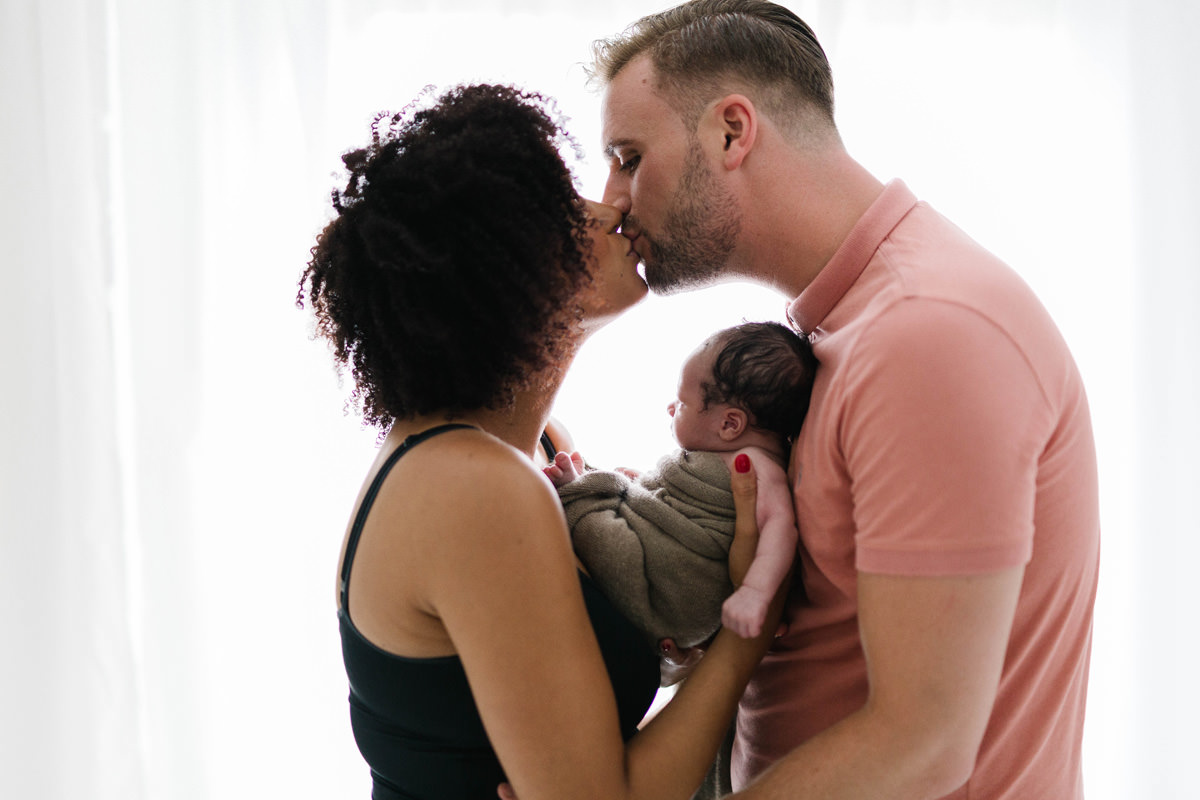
(742, 463)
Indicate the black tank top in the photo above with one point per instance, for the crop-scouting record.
(414, 719)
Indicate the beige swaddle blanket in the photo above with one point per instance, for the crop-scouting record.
(658, 547)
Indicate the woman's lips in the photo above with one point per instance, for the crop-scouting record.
(633, 248)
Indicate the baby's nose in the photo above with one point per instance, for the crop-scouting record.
(671, 407)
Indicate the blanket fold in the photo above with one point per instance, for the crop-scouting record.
(658, 547)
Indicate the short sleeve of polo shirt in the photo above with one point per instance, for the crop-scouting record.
(943, 428)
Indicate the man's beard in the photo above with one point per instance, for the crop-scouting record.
(698, 236)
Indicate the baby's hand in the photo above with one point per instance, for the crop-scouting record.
(566, 468)
(745, 610)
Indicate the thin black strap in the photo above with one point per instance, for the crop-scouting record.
(548, 446)
(361, 517)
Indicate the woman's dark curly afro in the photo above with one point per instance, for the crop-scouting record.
(450, 273)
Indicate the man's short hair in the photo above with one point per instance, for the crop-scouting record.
(703, 49)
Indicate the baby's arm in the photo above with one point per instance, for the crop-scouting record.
(745, 610)
(565, 468)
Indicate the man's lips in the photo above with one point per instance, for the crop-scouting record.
(633, 246)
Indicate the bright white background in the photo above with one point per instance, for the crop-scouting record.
(176, 467)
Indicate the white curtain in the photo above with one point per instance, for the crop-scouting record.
(176, 467)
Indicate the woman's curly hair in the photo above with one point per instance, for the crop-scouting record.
(449, 275)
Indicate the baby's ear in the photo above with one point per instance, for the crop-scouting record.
(733, 423)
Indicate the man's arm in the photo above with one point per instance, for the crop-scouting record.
(934, 649)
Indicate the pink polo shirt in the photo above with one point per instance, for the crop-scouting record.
(949, 434)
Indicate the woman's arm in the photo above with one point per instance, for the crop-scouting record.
(503, 582)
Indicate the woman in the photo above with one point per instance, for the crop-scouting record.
(456, 283)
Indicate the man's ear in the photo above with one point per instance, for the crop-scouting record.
(733, 423)
(738, 121)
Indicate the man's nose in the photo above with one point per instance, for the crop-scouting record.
(616, 193)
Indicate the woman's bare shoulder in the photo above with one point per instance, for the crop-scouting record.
(473, 492)
(453, 513)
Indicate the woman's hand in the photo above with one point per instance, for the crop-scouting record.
(744, 484)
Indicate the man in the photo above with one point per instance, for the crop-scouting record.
(945, 478)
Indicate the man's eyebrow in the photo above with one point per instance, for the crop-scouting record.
(610, 149)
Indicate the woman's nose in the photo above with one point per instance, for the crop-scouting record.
(605, 215)
(609, 215)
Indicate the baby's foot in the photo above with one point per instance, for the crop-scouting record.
(565, 468)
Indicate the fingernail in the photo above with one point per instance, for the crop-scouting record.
(742, 463)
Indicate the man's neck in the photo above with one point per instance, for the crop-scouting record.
(797, 216)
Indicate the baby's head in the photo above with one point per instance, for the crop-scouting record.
(742, 385)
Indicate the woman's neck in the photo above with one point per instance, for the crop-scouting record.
(519, 425)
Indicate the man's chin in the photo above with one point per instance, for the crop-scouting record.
(662, 287)
(669, 283)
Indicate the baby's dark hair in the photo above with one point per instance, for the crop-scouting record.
(449, 276)
(767, 370)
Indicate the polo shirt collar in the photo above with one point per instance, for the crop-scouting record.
(809, 310)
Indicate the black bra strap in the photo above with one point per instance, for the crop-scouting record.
(361, 517)
(548, 446)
